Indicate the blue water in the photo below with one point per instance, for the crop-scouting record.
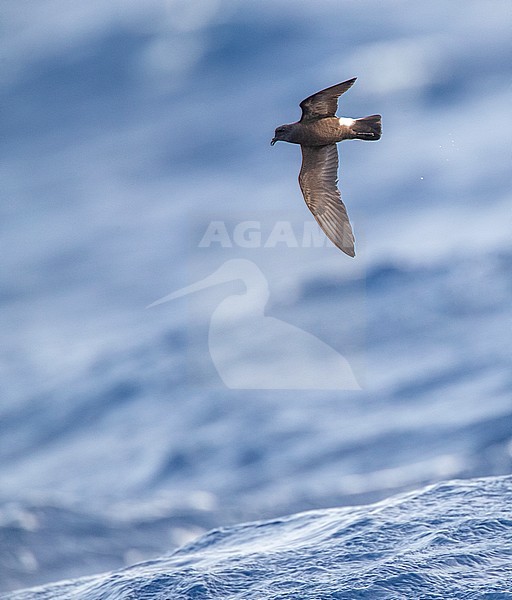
(450, 540)
(128, 128)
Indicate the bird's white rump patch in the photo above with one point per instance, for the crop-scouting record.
(346, 121)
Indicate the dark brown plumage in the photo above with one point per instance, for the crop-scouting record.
(317, 132)
(325, 102)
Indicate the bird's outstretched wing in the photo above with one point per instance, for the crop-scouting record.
(318, 180)
(325, 102)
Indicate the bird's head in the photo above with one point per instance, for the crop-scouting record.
(282, 134)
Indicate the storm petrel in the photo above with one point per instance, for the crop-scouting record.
(317, 133)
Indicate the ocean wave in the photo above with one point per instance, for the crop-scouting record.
(450, 540)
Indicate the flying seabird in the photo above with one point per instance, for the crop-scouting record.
(317, 132)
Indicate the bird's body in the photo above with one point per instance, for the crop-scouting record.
(318, 132)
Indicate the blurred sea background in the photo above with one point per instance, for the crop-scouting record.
(127, 128)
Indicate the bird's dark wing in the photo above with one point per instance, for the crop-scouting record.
(325, 102)
(318, 180)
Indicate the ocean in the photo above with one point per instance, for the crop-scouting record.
(300, 424)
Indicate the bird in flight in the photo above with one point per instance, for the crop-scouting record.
(317, 132)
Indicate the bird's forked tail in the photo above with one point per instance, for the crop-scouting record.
(367, 128)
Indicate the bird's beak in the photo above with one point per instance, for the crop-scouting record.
(217, 277)
(274, 140)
